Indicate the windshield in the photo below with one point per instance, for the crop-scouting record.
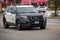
(26, 10)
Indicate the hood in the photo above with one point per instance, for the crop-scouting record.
(30, 14)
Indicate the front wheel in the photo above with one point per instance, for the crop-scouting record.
(43, 26)
(5, 24)
(19, 27)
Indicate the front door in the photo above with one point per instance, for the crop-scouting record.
(10, 17)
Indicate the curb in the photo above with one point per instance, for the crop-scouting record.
(53, 17)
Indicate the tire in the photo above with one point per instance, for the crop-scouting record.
(19, 27)
(43, 26)
(5, 24)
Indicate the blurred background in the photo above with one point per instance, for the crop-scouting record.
(50, 7)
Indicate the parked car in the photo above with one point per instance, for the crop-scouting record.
(23, 16)
(42, 8)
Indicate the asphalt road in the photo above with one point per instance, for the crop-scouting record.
(52, 32)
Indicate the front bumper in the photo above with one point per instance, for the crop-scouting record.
(31, 22)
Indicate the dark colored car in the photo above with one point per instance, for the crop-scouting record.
(23, 16)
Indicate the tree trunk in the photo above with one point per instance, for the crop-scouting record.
(55, 10)
(55, 6)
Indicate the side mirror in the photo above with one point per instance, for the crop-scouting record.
(3, 9)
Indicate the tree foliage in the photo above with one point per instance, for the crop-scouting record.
(55, 3)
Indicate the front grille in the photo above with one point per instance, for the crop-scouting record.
(35, 18)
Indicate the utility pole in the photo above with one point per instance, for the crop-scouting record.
(29, 2)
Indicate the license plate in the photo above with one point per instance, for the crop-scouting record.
(36, 22)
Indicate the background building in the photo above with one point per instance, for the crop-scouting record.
(34, 2)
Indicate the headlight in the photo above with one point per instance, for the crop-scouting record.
(23, 17)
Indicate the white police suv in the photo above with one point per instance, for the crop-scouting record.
(23, 16)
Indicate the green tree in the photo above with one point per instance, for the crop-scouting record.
(56, 5)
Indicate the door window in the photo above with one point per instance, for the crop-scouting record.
(11, 9)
